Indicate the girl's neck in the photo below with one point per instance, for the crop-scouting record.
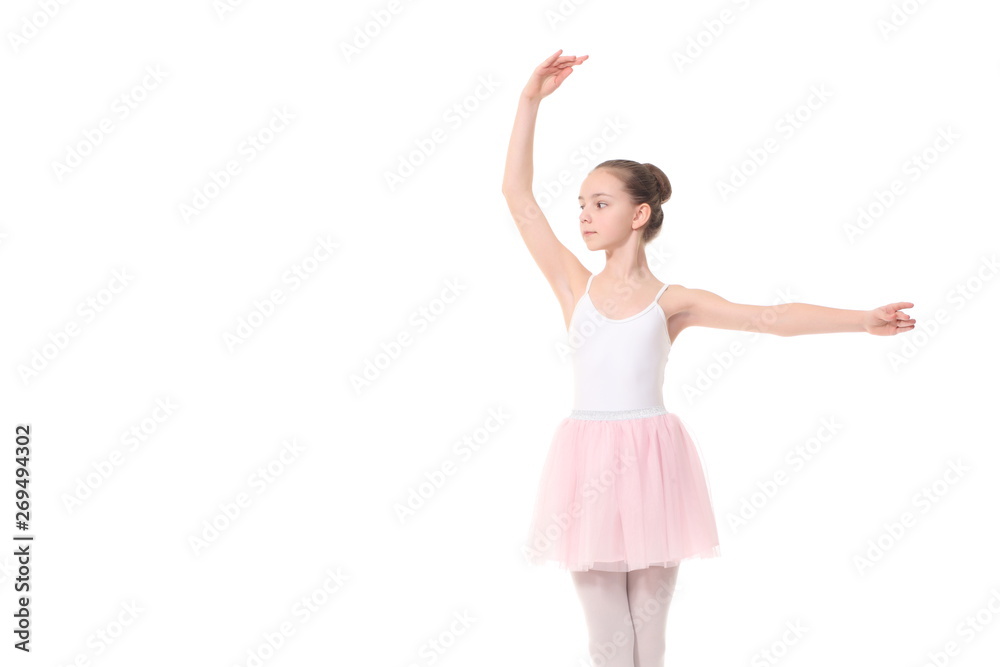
(629, 270)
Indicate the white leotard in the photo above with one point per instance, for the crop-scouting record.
(618, 364)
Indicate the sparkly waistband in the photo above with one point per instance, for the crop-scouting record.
(618, 414)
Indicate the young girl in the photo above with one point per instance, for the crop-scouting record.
(623, 498)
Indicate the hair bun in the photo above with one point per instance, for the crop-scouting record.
(661, 180)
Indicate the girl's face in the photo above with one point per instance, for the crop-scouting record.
(607, 215)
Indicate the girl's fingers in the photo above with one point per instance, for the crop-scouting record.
(556, 63)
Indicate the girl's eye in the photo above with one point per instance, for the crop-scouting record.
(598, 203)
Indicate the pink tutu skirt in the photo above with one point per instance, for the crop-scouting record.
(621, 493)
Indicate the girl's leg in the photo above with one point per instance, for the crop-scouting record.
(609, 624)
(650, 591)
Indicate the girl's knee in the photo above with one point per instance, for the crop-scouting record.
(618, 649)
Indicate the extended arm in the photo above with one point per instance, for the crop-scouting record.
(559, 266)
(546, 78)
(518, 170)
(706, 309)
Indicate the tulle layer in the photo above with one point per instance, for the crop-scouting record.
(620, 495)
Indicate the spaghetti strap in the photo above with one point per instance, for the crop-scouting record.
(660, 293)
(587, 291)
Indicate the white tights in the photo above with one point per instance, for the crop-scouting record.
(626, 614)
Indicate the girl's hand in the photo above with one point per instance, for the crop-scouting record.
(888, 320)
(550, 74)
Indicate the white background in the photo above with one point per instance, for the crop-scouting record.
(492, 345)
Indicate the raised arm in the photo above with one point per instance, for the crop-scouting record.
(555, 260)
(705, 309)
